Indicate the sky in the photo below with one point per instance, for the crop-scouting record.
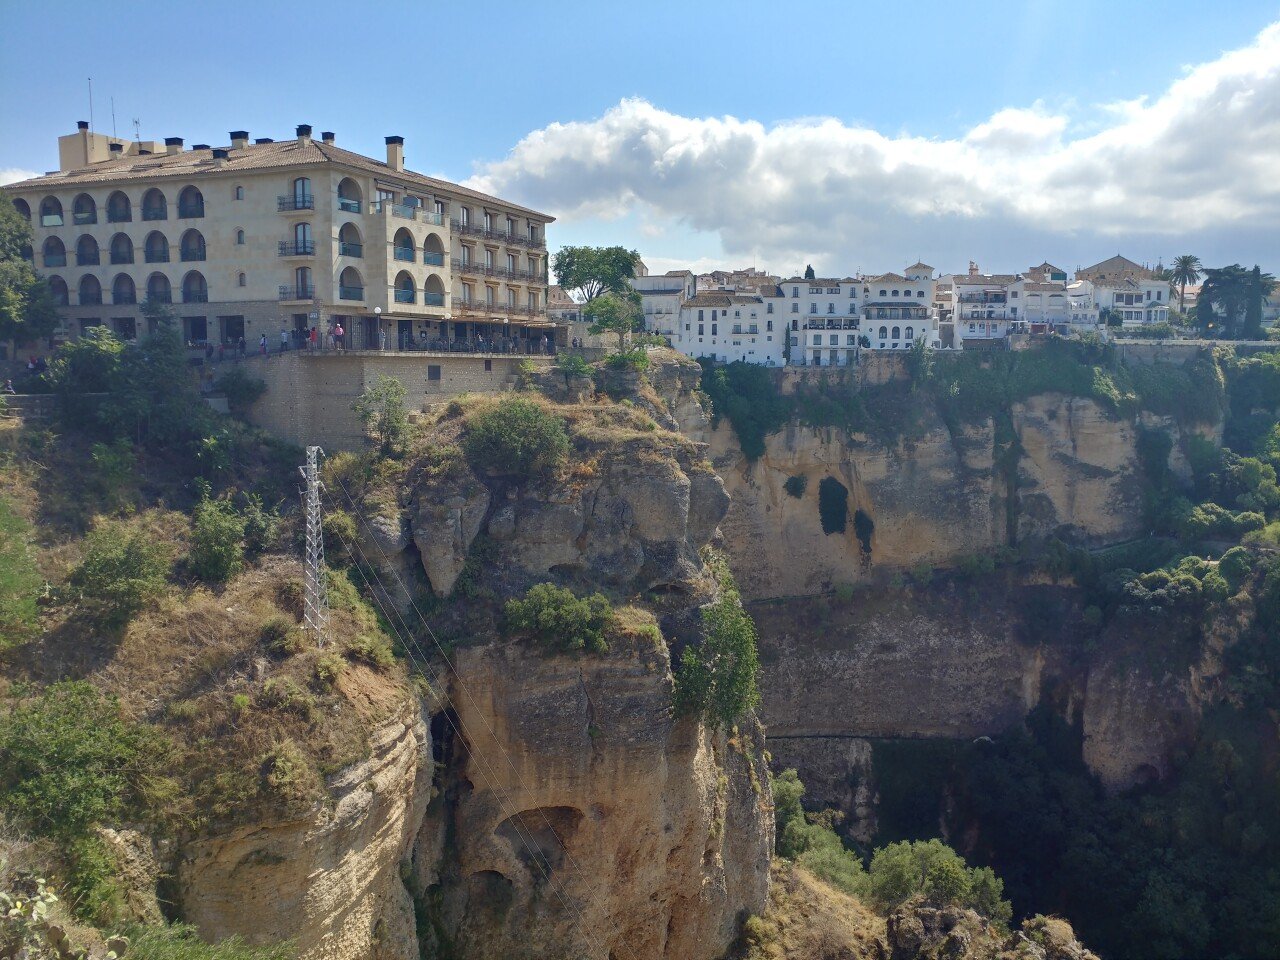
(852, 136)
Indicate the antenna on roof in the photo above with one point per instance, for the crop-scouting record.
(91, 103)
(137, 129)
(113, 118)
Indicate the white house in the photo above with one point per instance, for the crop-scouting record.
(728, 327)
(1128, 290)
(983, 312)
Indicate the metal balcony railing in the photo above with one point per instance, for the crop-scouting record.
(91, 298)
(155, 213)
(487, 271)
(88, 259)
(124, 256)
(405, 296)
(121, 297)
(157, 256)
(346, 249)
(433, 259)
(350, 293)
(470, 229)
(119, 216)
(190, 210)
(296, 202)
(192, 254)
(433, 299)
(55, 259)
(403, 253)
(301, 291)
(305, 249)
(195, 296)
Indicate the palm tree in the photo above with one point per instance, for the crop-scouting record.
(1186, 269)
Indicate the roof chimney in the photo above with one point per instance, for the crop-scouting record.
(172, 144)
(264, 140)
(219, 153)
(239, 139)
(199, 146)
(327, 136)
(304, 133)
(395, 153)
(82, 124)
(117, 148)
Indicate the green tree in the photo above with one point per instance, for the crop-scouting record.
(217, 541)
(560, 621)
(122, 570)
(27, 310)
(153, 396)
(515, 437)
(382, 413)
(618, 314)
(808, 271)
(1186, 271)
(1260, 284)
(86, 365)
(1233, 295)
(20, 580)
(593, 271)
(718, 677)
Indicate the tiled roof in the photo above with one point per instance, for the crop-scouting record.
(719, 300)
(1114, 267)
(256, 156)
(920, 266)
(888, 278)
(1046, 266)
(986, 279)
(1036, 285)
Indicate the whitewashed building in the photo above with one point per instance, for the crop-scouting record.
(728, 327)
(1128, 290)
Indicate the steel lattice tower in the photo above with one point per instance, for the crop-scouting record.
(315, 602)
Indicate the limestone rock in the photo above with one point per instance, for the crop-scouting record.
(444, 530)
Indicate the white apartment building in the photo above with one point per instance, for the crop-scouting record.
(661, 296)
(824, 316)
(1128, 290)
(983, 311)
(728, 327)
(908, 300)
(260, 236)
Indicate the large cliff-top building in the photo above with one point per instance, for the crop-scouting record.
(261, 235)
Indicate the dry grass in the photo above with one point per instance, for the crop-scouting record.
(808, 920)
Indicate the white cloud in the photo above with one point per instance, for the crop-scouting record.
(1199, 158)
(14, 174)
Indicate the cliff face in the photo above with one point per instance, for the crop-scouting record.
(947, 494)
(329, 881)
(579, 819)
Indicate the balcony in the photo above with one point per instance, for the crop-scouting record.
(157, 256)
(407, 211)
(160, 296)
(490, 271)
(190, 211)
(51, 220)
(121, 216)
(350, 293)
(405, 254)
(192, 255)
(55, 259)
(303, 291)
(124, 298)
(118, 256)
(80, 219)
(195, 296)
(88, 259)
(348, 205)
(305, 249)
(513, 239)
(288, 204)
(346, 249)
(982, 298)
(433, 259)
(433, 299)
(155, 213)
(406, 296)
(91, 298)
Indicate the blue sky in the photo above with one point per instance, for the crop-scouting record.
(466, 84)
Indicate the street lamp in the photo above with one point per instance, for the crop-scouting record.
(382, 339)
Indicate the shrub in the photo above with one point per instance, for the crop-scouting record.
(371, 648)
(182, 942)
(1235, 566)
(717, 680)
(115, 469)
(560, 621)
(260, 526)
(339, 532)
(217, 541)
(747, 394)
(241, 390)
(288, 775)
(515, 437)
(328, 669)
(796, 486)
(123, 569)
(70, 760)
(20, 580)
(281, 637)
(282, 693)
(903, 870)
(628, 360)
(382, 413)
(573, 365)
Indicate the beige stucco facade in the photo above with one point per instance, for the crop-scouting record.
(262, 236)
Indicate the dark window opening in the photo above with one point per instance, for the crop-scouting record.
(433, 372)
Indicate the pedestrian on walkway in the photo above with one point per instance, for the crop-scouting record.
(241, 347)
(262, 344)
(314, 339)
(284, 340)
(339, 336)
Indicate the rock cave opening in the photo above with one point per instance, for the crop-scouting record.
(833, 505)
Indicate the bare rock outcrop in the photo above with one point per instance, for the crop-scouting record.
(329, 881)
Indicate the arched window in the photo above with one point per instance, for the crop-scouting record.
(239, 238)
(23, 208)
(350, 285)
(157, 247)
(55, 254)
(50, 212)
(194, 288)
(158, 289)
(154, 205)
(349, 196)
(349, 241)
(302, 280)
(302, 242)
(920, 293)
(433, 295)
(884, 333)
(58, 291)
(87, 254)
(402, 246)
(405, 292)
(242, 279)
(123, 290)
(121, 248)
(90, 290)
(897, 333)
(84, 210)
(884, 293)
(302, 198)
(119, 210)
(192, 246)
(895, 293)
(911, 333)
(239, 192)
(190, 203)
(433, 251)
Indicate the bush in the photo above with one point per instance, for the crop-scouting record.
(288, 775)
(182, 942)
(241, 390)
(796, 486)
(628, 360)
(573, 365)
(717, 680)
(515, 437)
(260, 526)
(371, 648)
(115, 471)
(282, 693)
(70, 760)
(382, 413)
(328, 669)
(217, 541)
(123, 569)
(20, 580)
(747, 394)
(903, 870)
(281, 637)
(1235, 566)
(560, 621)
